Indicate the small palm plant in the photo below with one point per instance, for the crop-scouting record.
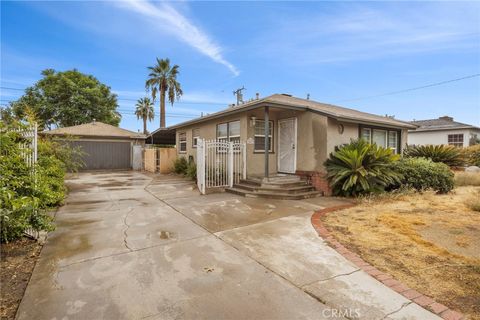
(450, 155)
(360, 167)
(144, 111)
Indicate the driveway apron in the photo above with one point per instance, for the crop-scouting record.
(136, 246)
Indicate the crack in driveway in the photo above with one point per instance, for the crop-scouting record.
(125, 234)
(397, 310)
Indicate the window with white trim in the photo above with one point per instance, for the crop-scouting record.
(229, 131)
(393, 140)
(195, 137)
(455, 140)
(381, 137)
(182, 141)
(260, 136)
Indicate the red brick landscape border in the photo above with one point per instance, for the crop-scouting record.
(411, 294)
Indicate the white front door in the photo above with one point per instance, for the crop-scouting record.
(287, 145)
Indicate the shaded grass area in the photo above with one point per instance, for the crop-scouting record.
(429, 242)
(18, 259)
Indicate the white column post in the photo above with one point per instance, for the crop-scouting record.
(244, 155)
(230, 164)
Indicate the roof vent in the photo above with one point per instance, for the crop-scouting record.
(286, 95)
(446, 118)
(94, 121)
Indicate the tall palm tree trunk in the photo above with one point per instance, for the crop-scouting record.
(144, 124)
(162, 107)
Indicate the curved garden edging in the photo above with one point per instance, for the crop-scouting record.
(411, 294)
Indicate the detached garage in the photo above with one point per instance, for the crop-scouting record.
(105, 146)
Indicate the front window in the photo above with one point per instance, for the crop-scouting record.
(229, 131)
(195, 137)
(367, 134)
(182, 141)
(455, 140)
(392, 140)
(381, 137)
(260, 135)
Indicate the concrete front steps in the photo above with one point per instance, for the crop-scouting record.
(285, 187)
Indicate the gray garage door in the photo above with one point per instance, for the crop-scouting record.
(105, 155)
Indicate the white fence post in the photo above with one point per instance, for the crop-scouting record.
(244, 153)
(230, 164)
(201, 165)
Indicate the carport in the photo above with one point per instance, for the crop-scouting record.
(105, 146)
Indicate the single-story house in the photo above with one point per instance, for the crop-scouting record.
(443, 130)
(301, 134)
(105, 146)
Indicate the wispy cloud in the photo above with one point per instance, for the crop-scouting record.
(362, 32)
(167, 17)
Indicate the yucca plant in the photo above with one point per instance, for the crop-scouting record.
(450, 155)
(360, 167)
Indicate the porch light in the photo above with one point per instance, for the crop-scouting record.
(252, 121)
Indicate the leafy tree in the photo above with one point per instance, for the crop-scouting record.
(163, 79)
(68, 98)
(144, 111)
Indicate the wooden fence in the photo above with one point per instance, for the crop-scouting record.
(159, 160)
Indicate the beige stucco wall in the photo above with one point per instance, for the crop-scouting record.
(208, 131)
(335, 138)
(317, 136)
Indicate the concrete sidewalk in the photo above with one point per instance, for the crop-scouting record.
(132, 246)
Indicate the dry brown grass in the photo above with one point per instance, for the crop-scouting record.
(467, 178)
(429, 242)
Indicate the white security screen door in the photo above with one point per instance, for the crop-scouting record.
(287, 145)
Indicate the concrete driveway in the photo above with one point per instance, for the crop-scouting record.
(133, 246)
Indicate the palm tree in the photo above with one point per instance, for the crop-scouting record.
(144, 111)
(163, 79)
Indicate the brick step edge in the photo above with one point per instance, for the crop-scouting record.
(411, 294)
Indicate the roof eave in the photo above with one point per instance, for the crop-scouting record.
(92, 135)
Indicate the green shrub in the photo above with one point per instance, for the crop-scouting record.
(192, 170)
(360, 168)
(424, 174)
(180, 165)
(24, 196)
(450, 155)
(472, 154)
(27, 193)
(70, 156)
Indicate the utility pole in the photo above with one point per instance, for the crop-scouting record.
(238, 93)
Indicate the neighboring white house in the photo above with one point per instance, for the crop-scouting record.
(443, 131)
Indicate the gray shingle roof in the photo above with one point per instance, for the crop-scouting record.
(337, 112)
(96, 129)
(442, 123)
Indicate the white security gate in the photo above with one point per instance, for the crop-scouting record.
(220, 164)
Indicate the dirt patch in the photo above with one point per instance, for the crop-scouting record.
(429, 242)
(17, 262)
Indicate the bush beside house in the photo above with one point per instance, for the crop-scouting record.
(424, 174)
(26, 194)
(187, 168)
(360, 168)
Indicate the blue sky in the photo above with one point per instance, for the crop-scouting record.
(335, 51)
